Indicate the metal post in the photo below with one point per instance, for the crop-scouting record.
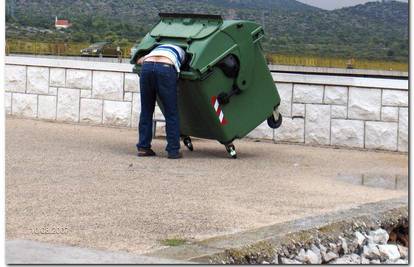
(119, 52)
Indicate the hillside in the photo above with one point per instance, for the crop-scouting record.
(373, 31)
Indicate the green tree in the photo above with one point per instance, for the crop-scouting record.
(111, 37)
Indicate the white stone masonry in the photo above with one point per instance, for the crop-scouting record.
(349, 112)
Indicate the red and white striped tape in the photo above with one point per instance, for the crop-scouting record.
(219, 111)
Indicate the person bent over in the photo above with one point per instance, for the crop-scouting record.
(159, 77)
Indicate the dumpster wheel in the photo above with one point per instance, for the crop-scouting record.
(273, 123)
(187, 142)
(231, 149)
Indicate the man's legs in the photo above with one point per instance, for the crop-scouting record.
(167, 91)
(148, 97)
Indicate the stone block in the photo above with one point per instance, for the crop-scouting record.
(318, 124)
(379, 236)
(68, 105)
(305, 93)
(158, 113)
(298, 110)
(285, 93)
(389, 251)
(8, 102)
(364, 104)
(86, 93)
(91, 110)
(338, 112)
(347, 133)
(389, 114)
(403, 130)
(127, 96)
(117, 113)
(57, 77)
(136, 109)
(47, 107)
(107, 85)
(24, 105)
(263, 131)
(15, 78)
(381, 135)
(160, 129)
(131, 83)
(337, 95)
(396, 98)
(53, 91)
(291, 130)
(37, 80)
(79, 79)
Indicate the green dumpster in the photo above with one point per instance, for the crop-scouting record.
(225, 87)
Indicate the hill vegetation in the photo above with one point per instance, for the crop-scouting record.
(376, 30)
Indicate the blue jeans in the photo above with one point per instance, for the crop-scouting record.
(159, 79)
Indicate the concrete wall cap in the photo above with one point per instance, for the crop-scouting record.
(397, 84)
(69, 64)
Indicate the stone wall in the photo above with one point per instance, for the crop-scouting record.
(72, 91)
(318, 109)
(341, 111)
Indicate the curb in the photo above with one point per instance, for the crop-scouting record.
(269, 238)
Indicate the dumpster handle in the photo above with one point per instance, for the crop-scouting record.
(224, 98)
(258, 39)
(257, 34)
(257, 30)
(215, 61)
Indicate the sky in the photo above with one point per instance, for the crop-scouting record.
(333, 4)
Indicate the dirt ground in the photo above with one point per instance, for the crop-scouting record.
(89, 181)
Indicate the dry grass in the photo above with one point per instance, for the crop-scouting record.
(336, 62)
(45, 48)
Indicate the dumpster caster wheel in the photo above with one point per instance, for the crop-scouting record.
(273, 123)
(187, 142)
(231, 149)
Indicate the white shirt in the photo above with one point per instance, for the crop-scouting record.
(175, 53)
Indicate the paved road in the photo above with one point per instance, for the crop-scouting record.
(33, 252)
(89, 180)
(99, 59)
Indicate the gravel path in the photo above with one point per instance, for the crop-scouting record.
(89, 180)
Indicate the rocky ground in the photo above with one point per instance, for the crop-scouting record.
(365, 248)
(362, 240)
(371, 247)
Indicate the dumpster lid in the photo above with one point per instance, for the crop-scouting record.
(189, 26)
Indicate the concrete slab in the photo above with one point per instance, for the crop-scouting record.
(89, 181)
(33, 252)
(208, 249)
